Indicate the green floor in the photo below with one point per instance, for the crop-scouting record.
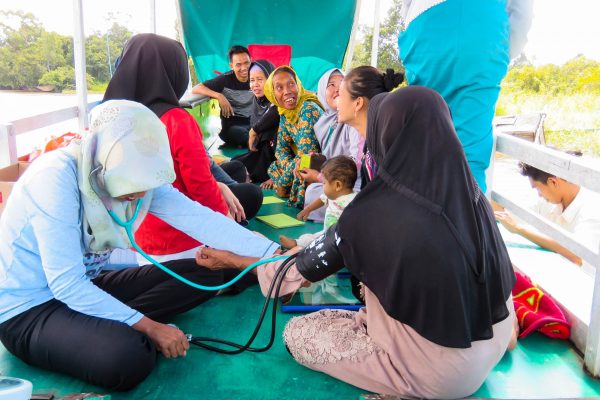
(537, 368)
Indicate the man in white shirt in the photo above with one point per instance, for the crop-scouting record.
(564, 203)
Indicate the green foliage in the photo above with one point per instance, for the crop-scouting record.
(63, 78)
(31, 56)
(388, 56)
(578, 75)
(569, 95)
(20, 60)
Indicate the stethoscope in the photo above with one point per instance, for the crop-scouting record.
(128, 226)
(201, 341)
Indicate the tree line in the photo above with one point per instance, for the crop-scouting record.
(30, 56)
(579, 75)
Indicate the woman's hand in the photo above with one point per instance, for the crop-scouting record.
(309, 175)
(221, 259)
(297, 168)
(251, 139)
(170, 341)
(267, 184)
(235, 207)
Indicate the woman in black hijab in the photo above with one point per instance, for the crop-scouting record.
(153, 70)
(264, 123)
(422, 238)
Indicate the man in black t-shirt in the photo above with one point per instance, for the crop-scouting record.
(232, 90)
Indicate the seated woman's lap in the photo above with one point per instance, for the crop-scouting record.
(100, 351)
(336, 342)
(157, 295)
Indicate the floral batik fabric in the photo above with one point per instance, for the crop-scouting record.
(294, 140)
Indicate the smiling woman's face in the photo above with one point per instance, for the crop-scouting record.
(257, 82)
(333, 91)
(286, 89)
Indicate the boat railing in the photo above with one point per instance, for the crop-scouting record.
(583, 173)
(10, 130)
(571, 168)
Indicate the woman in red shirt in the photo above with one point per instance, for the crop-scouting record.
(153, 70)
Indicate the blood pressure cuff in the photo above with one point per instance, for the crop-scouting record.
(322, 257)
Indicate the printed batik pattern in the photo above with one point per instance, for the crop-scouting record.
(294, 140)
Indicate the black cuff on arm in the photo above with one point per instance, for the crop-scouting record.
(322, 257)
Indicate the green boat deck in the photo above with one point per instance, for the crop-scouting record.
(538, 368)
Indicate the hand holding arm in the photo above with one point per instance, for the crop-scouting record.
(215, 259)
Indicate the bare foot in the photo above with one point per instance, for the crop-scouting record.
(282, 192)
(514, 335)
(287, 242)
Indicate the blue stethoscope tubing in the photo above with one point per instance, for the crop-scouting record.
(127, 225)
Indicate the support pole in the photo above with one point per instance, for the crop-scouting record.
(375, 43)
(352, 42)
(80, 70)
(152, 16)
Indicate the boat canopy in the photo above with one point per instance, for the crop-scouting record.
(317, 31)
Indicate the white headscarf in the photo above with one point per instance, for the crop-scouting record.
(126, 151)
(335, 138)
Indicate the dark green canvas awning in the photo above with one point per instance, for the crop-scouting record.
(317, 30)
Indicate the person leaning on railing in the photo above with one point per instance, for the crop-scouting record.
(568, 205)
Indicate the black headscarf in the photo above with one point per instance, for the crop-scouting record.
(421, 236)
(261, 104)
(153, 70)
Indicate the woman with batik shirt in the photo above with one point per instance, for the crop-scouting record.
(299, 111)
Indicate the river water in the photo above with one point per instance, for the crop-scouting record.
(16, 105)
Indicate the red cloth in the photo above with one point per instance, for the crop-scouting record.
(193, 178)
(537, 311)
(278, 54)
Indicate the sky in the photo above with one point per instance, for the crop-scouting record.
(560, 30)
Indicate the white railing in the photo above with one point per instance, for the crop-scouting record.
(9, 131)
(580, 172)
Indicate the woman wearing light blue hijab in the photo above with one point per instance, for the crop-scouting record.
(62, 315)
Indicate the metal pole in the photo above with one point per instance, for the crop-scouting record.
(8, 145)
(352, 42)
(152, 16)
(80, 73)
(180, 39)
(110, 72)
(375, 43)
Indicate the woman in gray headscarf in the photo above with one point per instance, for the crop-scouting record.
(335, 139)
